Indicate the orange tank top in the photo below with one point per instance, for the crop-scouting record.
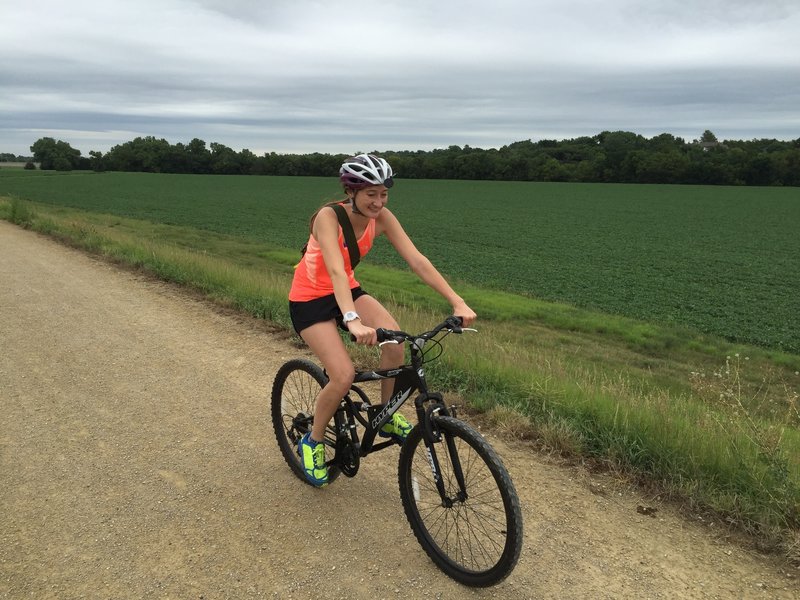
(311, 279)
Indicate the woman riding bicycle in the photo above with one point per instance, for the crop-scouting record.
(325, 294)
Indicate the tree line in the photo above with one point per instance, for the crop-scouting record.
(608, 157)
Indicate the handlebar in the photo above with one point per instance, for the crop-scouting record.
(452, 324)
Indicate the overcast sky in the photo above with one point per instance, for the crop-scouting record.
(326, 76)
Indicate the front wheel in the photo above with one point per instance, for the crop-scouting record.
(294, 393)
(474, 533)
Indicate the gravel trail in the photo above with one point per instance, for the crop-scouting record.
(137, 461)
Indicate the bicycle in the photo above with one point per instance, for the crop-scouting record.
(457, 495)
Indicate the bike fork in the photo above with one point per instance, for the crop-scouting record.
(436, 470)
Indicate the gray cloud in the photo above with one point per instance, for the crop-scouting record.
(309, 75)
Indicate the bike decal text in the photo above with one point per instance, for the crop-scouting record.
(390, 407)
(433, 465)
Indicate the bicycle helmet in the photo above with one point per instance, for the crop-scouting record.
(365, 170)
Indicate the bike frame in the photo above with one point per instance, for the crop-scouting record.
(408, 379)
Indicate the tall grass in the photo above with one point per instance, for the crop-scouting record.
(620, 393)
(20, 213)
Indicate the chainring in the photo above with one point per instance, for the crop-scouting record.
(347, 457)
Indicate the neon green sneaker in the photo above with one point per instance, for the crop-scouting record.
(397, 429)
(312, 457)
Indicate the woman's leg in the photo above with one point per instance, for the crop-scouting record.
(325, 341)
(373, 314)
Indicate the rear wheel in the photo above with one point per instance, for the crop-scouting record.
(474, 534)
(294, 394)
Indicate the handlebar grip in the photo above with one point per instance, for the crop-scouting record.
(384, 334)
(455, 323)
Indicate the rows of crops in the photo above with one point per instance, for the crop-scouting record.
(721, 260)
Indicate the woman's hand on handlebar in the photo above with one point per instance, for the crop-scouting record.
(362, 334)
(460, 309)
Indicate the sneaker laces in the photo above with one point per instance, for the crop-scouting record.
(318, 452)
(400, 424)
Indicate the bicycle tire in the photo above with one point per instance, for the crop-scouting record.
(477, 541)
(294, 393)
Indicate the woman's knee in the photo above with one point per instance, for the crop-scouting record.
(341, 379)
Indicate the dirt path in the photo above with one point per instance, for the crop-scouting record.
(137, 461)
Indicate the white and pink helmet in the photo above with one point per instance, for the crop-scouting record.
(365, 170)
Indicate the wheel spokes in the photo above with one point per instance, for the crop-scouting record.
(471, 532)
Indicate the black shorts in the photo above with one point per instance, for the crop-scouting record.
(310, 312)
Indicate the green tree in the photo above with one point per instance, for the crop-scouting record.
(759, 170)
(52, 154)
(96, 159)
(247, 160)
(199, 157)
(667, 166)
(617, 145)
(708, 138)
(786, 165)
(224, 160)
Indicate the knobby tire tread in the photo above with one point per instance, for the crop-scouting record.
(511, 505)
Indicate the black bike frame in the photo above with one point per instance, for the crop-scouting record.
(408, 379)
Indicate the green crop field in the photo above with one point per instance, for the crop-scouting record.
(720, 260)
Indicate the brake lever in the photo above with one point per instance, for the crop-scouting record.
(461, 329)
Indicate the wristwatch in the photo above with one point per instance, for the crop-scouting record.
(350, 315)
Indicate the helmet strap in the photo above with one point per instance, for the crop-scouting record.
(353, 205)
